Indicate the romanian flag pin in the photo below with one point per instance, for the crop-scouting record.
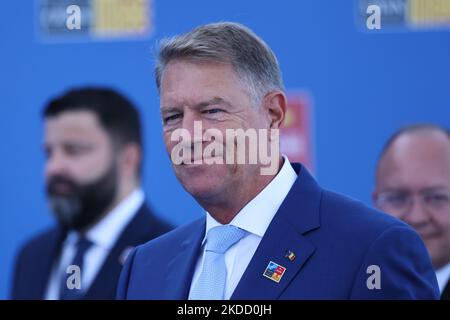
(290, 255)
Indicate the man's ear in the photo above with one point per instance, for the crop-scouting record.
(275, 104)
(131, 157)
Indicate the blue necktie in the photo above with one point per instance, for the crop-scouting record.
(66, 293)
(211, 282)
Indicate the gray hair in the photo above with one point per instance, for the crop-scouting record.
(226, 42)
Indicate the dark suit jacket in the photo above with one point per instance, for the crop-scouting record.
(35, 260)
(336, 240)
(446, 293)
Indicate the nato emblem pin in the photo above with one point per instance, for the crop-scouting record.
(274, 271)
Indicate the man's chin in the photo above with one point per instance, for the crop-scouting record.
(200, 193)
(207, 171)
(199, 184)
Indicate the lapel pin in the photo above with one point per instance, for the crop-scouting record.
(124, 255)
(274, 271)
(290, 255)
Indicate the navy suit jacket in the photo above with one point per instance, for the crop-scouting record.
(35, 260)
(335, 240)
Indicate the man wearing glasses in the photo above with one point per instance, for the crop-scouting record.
(413, 184)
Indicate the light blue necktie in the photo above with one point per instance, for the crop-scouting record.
(211, 282)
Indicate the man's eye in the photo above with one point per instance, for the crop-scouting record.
(437, 199)
(212, 111)
(75, 150)
(398, 199)
(172, 117)
(47, 153)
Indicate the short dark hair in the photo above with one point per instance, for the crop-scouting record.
(116, 114)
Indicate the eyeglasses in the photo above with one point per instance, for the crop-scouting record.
(435, 200)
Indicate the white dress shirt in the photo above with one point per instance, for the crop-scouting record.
(103, 236)
(255, 218)
(443, 276)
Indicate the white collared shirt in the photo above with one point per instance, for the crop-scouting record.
(443, 277)
(103, 236)
(255, 218)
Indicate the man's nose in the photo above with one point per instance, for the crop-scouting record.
(56, 165)
(416, 216)
(194, 125)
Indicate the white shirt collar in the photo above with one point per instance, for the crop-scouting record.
(443, 276)
(256, 216)
(107, 230)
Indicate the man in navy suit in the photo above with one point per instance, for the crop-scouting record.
(270, 231)
(413, 184)
(94, 154)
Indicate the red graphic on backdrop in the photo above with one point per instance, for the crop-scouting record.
(295, 134)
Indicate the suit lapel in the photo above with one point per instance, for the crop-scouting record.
(273, 248)
(298, 214)
(44, 263)
(181, 268)
(135, 232)
(446, 293)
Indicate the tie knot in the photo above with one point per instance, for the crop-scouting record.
(221, 238)
(83, 244)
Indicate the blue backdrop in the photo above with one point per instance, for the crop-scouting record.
(364, 86)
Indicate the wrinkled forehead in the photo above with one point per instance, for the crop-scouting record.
(186, 82)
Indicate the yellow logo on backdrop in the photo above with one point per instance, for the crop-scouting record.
(118, 17)
(429, 12)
